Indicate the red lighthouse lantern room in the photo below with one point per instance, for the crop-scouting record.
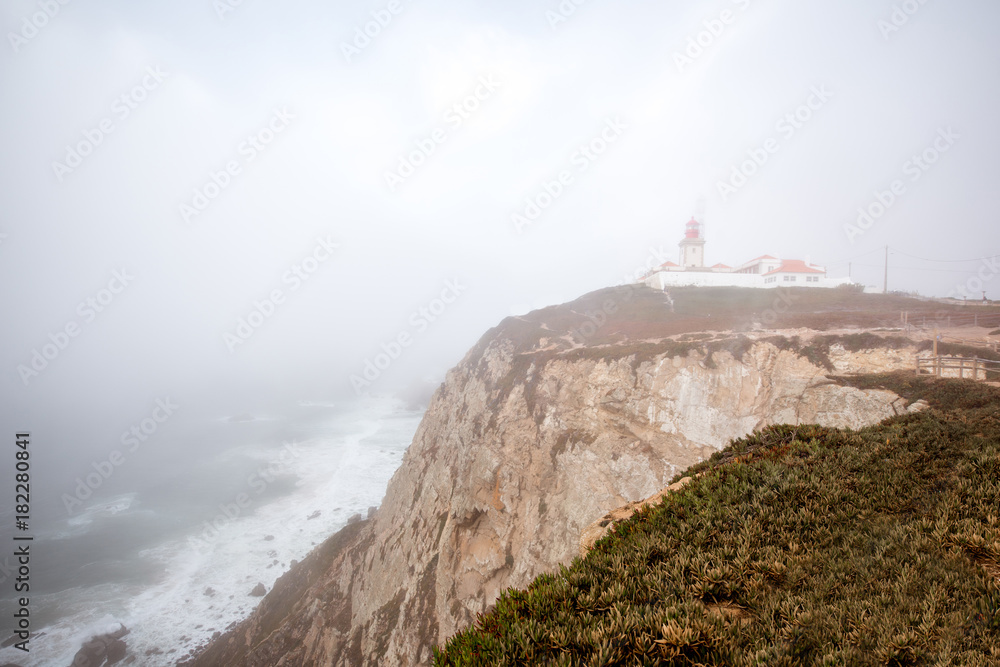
(693, 229)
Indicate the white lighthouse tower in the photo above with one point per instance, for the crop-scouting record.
(692, 246)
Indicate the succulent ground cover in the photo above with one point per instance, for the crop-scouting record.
(802, 545)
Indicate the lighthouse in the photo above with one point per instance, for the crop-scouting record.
(763, 272)
(692, 246)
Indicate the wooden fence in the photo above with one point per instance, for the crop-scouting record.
(959, 367)
(990, 320)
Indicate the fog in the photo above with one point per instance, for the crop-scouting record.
(188, 164)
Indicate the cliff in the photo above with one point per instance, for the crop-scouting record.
(549, 422)
(797, 545)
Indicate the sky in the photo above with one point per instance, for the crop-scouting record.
(230, 203)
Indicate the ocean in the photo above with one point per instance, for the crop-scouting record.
(175, 557)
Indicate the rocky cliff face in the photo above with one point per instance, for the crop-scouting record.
(537, 433)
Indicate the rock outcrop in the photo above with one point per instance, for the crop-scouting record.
(536, 434)
(106, 649)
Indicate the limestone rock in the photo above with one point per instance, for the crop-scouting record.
(529, 440)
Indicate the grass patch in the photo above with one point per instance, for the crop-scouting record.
(636, 313)
(638, 322)
(941, 394)
(802, 545)
(818, 349)
(959, 350)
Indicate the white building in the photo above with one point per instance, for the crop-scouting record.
(764, 271)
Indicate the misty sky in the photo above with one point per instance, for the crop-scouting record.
(291, 121)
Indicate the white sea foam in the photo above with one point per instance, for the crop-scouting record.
(80, 523)
(210, 572)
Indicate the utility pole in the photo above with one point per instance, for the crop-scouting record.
(937, 359)
(885, 282)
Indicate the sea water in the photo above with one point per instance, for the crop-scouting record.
(175, 558)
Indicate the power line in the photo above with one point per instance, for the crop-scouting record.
(975, 259)
(851, 259)
(900, 252)
(912, 268)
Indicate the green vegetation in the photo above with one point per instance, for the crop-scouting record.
(817, 350)
(637, 322)
(798, 546)
(634, 313)
(959, 350)
(967, 351)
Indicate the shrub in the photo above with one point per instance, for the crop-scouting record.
(801, 545)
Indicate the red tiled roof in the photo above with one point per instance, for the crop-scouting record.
(720, 265)
(667, 264)
(794, 266)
